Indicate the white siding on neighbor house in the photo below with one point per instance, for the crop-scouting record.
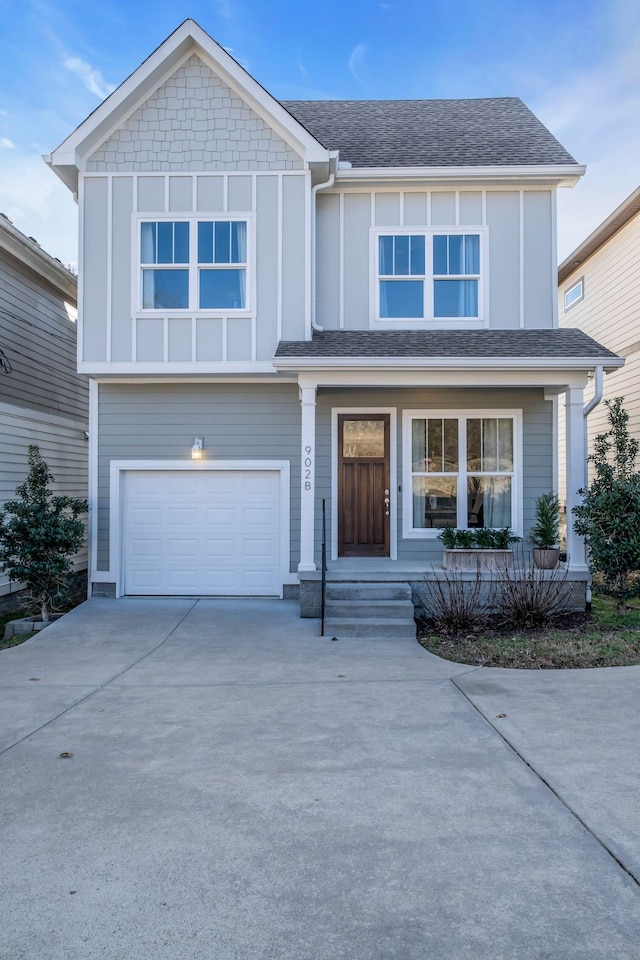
(62, 444)
(610, 313)
(194, 121)
(277, 206)
(519, 250)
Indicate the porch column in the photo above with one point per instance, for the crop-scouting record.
(307, 478)
(576, 445)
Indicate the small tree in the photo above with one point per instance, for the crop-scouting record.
(610, 512)
(39, 534)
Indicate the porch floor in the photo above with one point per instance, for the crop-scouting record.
(385, 570)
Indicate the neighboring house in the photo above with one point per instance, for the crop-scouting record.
(599, 292)
(344, 301)
(43, 401)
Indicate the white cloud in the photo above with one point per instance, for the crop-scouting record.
(356, 60)
(91, 78)
(6, 144)
(40, 205)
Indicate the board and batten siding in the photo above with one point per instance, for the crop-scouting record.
(610, 313)
(111, 330)
(38, 336)
(159, 421)
(520, 249)
(63, 445)
(537, 467)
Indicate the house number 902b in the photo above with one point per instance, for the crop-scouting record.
(307, 468)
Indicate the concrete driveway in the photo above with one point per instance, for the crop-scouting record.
(241, 788)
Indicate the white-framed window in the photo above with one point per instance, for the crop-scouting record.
(574, 294)
(197, 264)
(428, 275)
(461, 469)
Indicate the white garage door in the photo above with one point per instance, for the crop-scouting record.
(202, 533)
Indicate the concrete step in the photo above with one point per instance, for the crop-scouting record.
(387, 628)
(350, 590)
(390, 609)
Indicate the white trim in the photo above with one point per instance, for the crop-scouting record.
(80, 293)
(192, 218)
(120, 467)
(280, 247)
(451, 363)
(393, 474)
(411, 533)
(175, 367)
(109, 265)
(260, 378)
(341, 196)
(428, 321)
(521, 256)
(446, 377)
(94, 401)
(565, 174)
(576, 283)
(555, 441)
(308, 252)
(554, 252)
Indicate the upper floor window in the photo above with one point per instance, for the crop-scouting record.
(194, 265)
(574, 294)
(428, 275)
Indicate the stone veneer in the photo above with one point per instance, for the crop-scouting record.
(194, 122)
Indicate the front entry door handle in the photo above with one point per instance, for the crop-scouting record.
(387, 501)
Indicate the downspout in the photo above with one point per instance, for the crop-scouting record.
(333, 162)
(588, 407)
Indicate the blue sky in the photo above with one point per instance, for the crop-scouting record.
(576, 64)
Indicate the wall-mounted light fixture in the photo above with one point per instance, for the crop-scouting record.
(196, 449)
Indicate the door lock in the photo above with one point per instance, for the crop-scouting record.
(387, 501)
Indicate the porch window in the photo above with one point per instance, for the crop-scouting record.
(423, 275)
(462, 471)
(194, 264)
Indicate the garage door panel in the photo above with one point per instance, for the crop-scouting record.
(205, 533)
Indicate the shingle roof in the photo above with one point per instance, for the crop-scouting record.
(557, 343)
(434, 133)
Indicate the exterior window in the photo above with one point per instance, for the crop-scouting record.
(456, 271)
(574, 294)
(401, 268)
(462, 471)
(222, 265)
(193, 265)
(164, 251)
(425, 275)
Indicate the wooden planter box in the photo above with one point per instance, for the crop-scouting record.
(470, 561)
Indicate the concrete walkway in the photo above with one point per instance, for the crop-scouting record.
(241, 788)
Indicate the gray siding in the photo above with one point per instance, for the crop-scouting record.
(237, 421)
(276, 205)
(39, 340)
(252, 421)
(194, 121)
(518, 264)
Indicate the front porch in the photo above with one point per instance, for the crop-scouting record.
(381, 571)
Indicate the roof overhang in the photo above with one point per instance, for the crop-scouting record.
(308, 364)
(607, 229)
(68, 158)
(27, 252)
(561, 175)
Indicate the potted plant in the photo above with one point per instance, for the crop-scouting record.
(480, 549)
(544, 532)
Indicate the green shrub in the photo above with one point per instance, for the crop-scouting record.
(483, 538)
(545, 530)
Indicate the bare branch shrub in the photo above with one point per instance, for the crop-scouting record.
(527, 596)
(456, 605)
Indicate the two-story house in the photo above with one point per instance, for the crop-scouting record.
(43, 401)
(285, 303)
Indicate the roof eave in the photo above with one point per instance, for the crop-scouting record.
(14, 243)
(454, 363)
(188, 38)
(563, 174)
(601, 235)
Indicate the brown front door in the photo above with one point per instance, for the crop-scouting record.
(363, 485)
